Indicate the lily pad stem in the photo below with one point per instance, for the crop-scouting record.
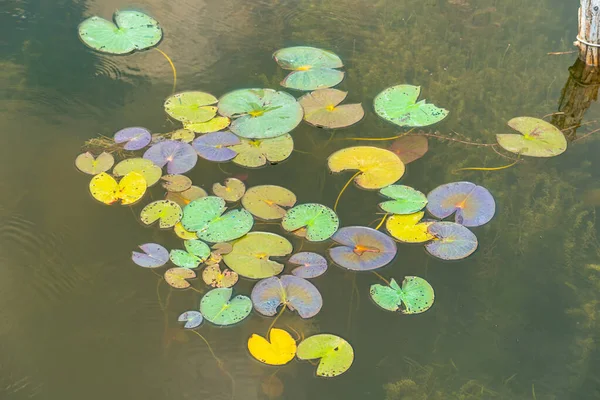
(380, 139)
(486, 169)
(382, 221)
(276, 318)
(172, 67)
(381, 277)
(219, 363)
(344, 188)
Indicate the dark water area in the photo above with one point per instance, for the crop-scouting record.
(516, 320)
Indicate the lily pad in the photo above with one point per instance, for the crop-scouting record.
(322, 109)
(408, 228)
(398, 105)
(135, 138)
(320, 222)
(131, 31)
(179, 157)
(213, 276)
(182, 233)
(167, 212)
(410, 148)
(250, 256)
(406, 200)
(260, 113)
(216, 146)
(232, 191)
(256, 153)
(451, 241)
(184, 259)
(378, 167)
(336, 354)
(312, 265)
(313, 68)
(187, 196)
(474, 205)
(362, 248)
(183, 135)
(176, 277)
(415, 296)
(206, 216)
(538, 138)
(191, 106)
(192, 319)
(176, 183)
(86, 163)
(280, 349)
(146, 168)
(222, 248)
(197, 248)
(153, 256)
(218, 307)
(291, 291)
(267, 201)
(129, 190)
(214, 125)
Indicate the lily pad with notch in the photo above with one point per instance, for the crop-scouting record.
(190, 107)
(176, 183)
(319, 221)
(154, 255)
(134, 138)
(414, 297)
(187, 196)
(313, 68)
(218, 306)
(213, 276)
(251, 255)
(291, 291)
(146, 168)
(409, 228)
(280, 349)
(192, 319)
(398, 105)
(254, 153)
(213, 125)
(362, 248)
(196, 252)
(335, 354)
(216, 146)
(179, 157)
(231, 191)
(86, 163)
(130, 189)
(177, 277)
(410, 148)
(406, 200)
(167, 212)
(474, 205)
(311, 265)
(451, 241)
(537, 138)
(322, 109)
(267, 201)
(378, 167)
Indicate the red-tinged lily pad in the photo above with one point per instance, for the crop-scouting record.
(179, 157)
(135, 138)
(312, 265)
(474, 205)
(231, 191)
(176, 277)
(362, 248)
(451, 241)
(410, 148)
(293, 292)
(322, 109)
(213, 276)
(176, 183)
(153, 256)
(216, 146)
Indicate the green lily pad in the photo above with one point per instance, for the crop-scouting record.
(260, 113)
(167, 212)
(132, 30)
(406, 200)
(218, 307)
(415, 296)
(335, 353)
(256, 153)
(312, 68)
(538, 138)
(320, 222)
(398, 105)
(184, 259)
(191, 107)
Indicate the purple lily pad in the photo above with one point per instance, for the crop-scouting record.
(179, 157)
(295, 293)
(362, 248)
(192, 319)
(214, 146)
(153, 256)
(452, 241)
(135, 138)
(311, 265)
(474, 205)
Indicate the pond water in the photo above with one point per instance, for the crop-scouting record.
(516, 320)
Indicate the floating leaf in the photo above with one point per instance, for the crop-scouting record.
(250, 256)
(131, 31)
(182, 233)
(222, 248)
(410, 148)
(406, 199)
(407, 229)
(191, 106)
(379, 167)
(256, 153)
(398, 105)
(451, 241)
(280, 349)
(214, 125)
(192, 319)
(320, 221)
(538, 138)
(88, 164)
(176, 183)
(129, 190)
(267, 201)
(260, 113)
(135, 138)
(184, 259)
(183, 135)
(311, 265)
(213, 276)
(232, 191)
(336, 354)
(187, 196)
(146, 168)
(167, 212)
(218, 307)
(197, 248)
(176, 277)
(206, 217)
(153, 256)
(179, 157)
(322, 109)
(362, 248)
(216, 146)
(291, 291)
(415, 296)
(313, 68)
(474, 205)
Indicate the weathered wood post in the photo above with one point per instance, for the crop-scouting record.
(588, 36)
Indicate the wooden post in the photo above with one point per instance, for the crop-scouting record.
(588, 37)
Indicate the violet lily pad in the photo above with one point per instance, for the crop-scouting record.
(216, 146)
(291, 291)
(192, 319)
(191, 106)
(179, 157)
(398, 105)
(451, 241)
(414, 297)
(320, 222)
(312, 68)
(406, 200)
(312, 265)
(153, 256)
(135, 138)
(362, 248)
(217, 306)
(250, 256)
(474, 205)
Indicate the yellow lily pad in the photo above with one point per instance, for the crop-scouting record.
(129, 190)
(146, 168)
(280, 349)
(408, 229)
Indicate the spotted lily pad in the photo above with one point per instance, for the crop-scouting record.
(378, 167)
(232, 191)
(415, 296)
(260, 113)
(191, 106)
(213, 276)
(196, 252)
(129, 190)
(192, 319)
(176, 183)
(214, 125)
(312, 265)
(135, 138)
(183, 135)
(408, 228)
(167, 212)
(146, 168)
(176, 277)
(179, 157)
(280, 349)
(267, 201)
(88, 164)
(220, 308)
(473, 205)
(132, 30)
(216, 146)
(410, 148)
(538, 138)
(451, 241)
(250, 256)
(153, 256)
(406, 200)
(398, 105)
(336, 354)
(322, 109)
(320, 222)
(206, 216)
(187, 196)
(182, 233)
(256, 153)
(362, 248)
(291, 291)
(312, 68)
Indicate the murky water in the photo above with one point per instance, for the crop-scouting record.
(517, 320)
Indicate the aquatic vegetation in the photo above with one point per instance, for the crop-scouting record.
(213, 276)
(362, 248)
(311, 264)
(410, 148)
(191, 107)
(154, 255)
(86, 163)
(219, 307)
(215, 146)
(213, 125)
(398, 105)
(538, 138)
(130, 189)
(292, 292)
(406, 200)
(254, 153)
(146, 168)
(312, 68)
(322, 109)
(377, 168)
(250, 255)
(196, 252)
(414, 297)
(232, 191)
(314, 221)
(409, 228)
(178, 157)
(166, 212)
(177, 277)
(451, 241)
(207, 217)
(280, 349)
(474, 205)
(192, 319)
(135, 138)
(335, 354)
(187, 196)
(267, 201)
(176, 183)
